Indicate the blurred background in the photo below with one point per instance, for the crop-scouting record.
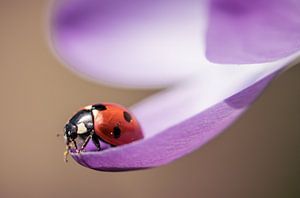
(259, 156)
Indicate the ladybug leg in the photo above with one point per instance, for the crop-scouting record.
(96, 141)
(85, 142)
(66, 153)
(75, 145)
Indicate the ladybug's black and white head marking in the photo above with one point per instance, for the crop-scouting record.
(80, 123)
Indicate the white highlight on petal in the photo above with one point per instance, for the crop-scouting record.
(209, 86)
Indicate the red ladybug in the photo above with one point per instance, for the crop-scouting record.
(110, 123)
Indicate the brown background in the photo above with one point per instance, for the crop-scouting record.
(259, 156)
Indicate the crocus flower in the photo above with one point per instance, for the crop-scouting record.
(214, 58)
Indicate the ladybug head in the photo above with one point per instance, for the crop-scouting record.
(80, 124)
(70, 131)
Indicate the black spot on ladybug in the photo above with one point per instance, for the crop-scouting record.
(127, 116)
(99, 107)
(116, 132)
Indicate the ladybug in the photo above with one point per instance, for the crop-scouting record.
(107, 122)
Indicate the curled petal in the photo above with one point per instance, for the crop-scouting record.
(177, 140)
(155, 43)
(173, 129)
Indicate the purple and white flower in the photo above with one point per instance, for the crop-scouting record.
(213, 57)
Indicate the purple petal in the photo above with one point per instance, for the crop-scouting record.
(177, 140)
(156, 43)
(253, 31)
(133, 43)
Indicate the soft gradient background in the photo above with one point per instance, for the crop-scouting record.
(259, 156)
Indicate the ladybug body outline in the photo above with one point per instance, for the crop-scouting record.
(106, 122)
